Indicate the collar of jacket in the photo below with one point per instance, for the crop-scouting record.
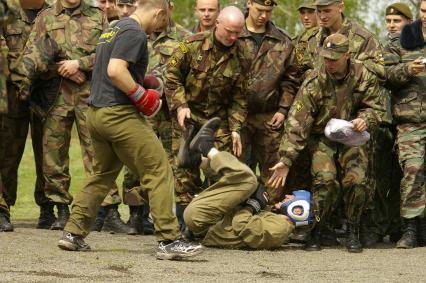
(270, 31)
(209, 43)
(24, 16)
(412, 36)
(82, 9)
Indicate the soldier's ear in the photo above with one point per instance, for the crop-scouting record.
(342, 7)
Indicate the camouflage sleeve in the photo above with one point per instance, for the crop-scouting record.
(237, 113)
(40, 51)
(299, 122)
(175, 76)
(289, 84)
(396, 71)
(372, 57)
(373, 103)
(86, 63)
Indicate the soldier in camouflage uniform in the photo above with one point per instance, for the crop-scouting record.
(299, 175)
(363, 45)
(406, 73)
(383, 215)
(70, 30)
(204, 78)
(18, 120)
(272, 85)
(342, 89)
(8, 11)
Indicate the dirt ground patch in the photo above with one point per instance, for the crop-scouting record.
(31, 255)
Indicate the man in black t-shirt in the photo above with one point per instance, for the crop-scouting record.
(121, 134)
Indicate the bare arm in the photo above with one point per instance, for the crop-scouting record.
(120, 76)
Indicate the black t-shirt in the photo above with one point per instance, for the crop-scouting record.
(127, 41)
(258, 38)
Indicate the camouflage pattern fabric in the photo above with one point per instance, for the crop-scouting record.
(363, 46)
(209, 80)
(67, 37)
(320, 99)
(271, 87)
(411, 151)
(301, 43)
(19, 118)
(409, 111)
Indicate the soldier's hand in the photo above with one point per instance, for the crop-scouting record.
(182, 114)
(279, 175)
(237, 147)
(416, 67)
(68, 68)
(277, 120)
(359, 125)
(78, 77)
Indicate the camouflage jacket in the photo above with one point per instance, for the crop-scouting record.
(161, 48)
(208, 79)
(272, 78)
(59, 36)
(301, 43)
(408, 91)
(321, 98)
(363, 46)
(9, 9)
(16, 34)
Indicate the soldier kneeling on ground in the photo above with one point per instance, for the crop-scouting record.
(230, 213)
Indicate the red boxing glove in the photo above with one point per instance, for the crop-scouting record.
(152, 82)
(147, 101)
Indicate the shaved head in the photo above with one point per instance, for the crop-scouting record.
(229, 25)
(231, 14)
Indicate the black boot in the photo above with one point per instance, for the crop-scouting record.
(113, 222)
(63, 216)
(409, 236)
(5, 225)
(148, 224)
(313, 243)
(135, 220)
(47, 216)
(100, 219)
(369, 238)
(422, 231)
(352, 241)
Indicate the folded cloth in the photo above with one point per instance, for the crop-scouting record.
(341, 131)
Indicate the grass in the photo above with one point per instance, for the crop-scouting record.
(25, 207)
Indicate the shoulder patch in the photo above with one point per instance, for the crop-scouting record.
(298, 106)
(183, 48)
(173, 61)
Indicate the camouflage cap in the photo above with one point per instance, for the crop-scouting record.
(400, 9)
(130, 2)
(307, 4)
(265, 2)
(326, 2)
(335, 46)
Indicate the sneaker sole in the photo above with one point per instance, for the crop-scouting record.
(166, 256)
(67, 246)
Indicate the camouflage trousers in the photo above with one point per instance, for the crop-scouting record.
(56, 143)
(217, 214)
(132, 191)
(188, 182)
(338, 170)
(260, 144)
(411, 142)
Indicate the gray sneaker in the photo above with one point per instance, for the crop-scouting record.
(70, 242)
(178, 249)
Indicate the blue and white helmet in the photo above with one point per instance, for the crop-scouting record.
(302, 200)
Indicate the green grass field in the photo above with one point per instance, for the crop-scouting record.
(25, 207)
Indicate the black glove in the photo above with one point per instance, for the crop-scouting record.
(258, 200)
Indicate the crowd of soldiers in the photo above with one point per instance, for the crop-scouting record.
(273, 94)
